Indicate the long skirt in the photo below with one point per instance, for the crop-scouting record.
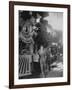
(35, 68)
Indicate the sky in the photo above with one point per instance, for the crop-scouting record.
(55, 19)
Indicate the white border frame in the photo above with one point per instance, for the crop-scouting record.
(16, 29)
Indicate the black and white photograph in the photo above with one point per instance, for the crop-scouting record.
(39, 47)
(40, 44)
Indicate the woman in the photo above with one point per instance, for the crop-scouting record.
(42, 61)
(36, 64)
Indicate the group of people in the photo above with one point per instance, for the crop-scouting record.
(43, 59)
